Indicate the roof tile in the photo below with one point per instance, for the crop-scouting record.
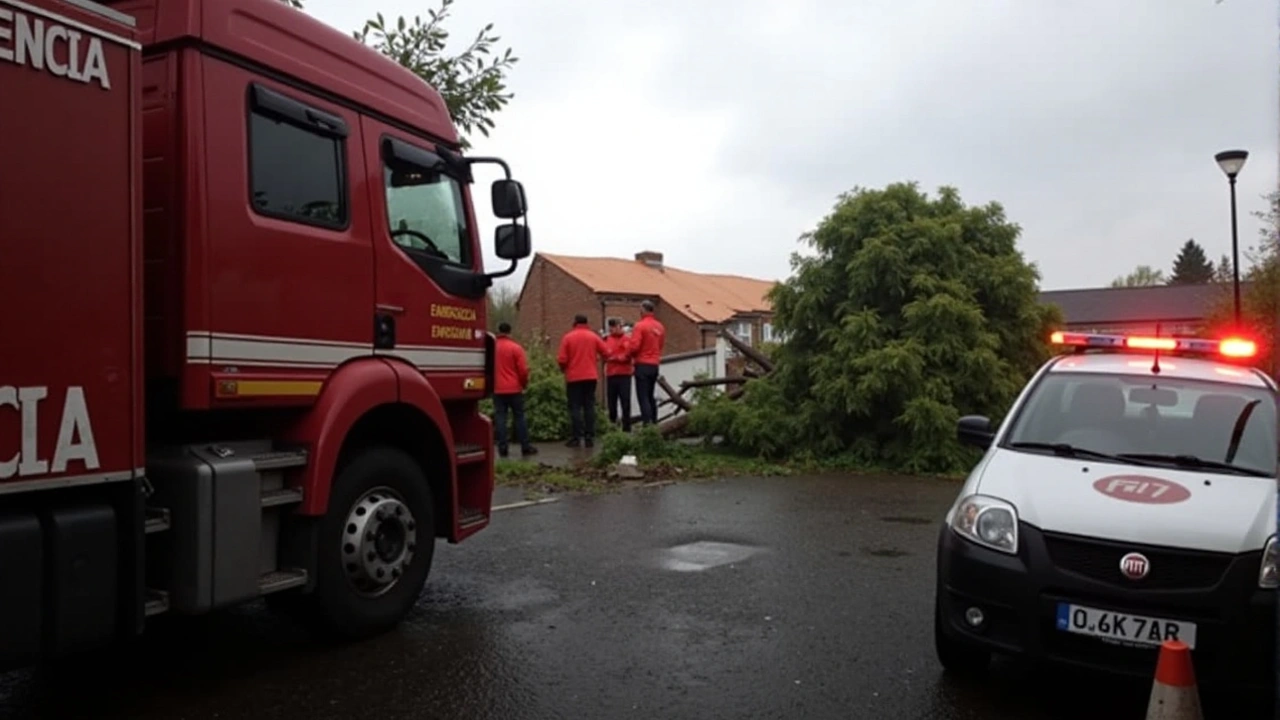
(702, 297)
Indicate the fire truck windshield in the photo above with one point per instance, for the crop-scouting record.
(426, 214)
(1170, 421)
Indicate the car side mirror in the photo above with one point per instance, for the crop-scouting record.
(975, 430)
(508, 199)
(511, 242)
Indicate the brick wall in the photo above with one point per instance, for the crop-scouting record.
(683, 334)
(550, 299)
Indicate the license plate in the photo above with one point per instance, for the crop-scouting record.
(1123, 628)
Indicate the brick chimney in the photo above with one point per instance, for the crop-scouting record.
(650, 258)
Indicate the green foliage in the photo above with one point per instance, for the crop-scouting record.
(501, 300)
(1222, 271)
(913, 311)
(546, 404)
(645, 442)
(1192, 266)
(1142, 276)
(1260, 299)
(660, 456)
(472, 82)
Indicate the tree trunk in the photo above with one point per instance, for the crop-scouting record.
(706, 382)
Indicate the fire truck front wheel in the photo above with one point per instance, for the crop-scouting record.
(376, 544)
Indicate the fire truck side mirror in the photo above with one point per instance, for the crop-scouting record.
(508, 199)
(511, 242)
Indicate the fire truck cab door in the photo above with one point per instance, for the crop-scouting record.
(428, 308)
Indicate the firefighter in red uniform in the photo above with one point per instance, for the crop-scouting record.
(580, 349)
(617, 374)
(511, 379)
(647, 339)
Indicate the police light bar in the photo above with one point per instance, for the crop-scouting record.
(1229, 347)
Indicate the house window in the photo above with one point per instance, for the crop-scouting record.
(766, 332)
(742, 330)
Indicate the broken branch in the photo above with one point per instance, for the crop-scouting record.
(754, 355)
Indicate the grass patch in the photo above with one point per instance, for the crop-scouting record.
(537, 479)
(661, 459)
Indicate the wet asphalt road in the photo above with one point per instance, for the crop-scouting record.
(579, 609)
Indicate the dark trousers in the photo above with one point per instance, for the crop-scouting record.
(646, 384)
(582, 408)
(514, 403)
(618, 389)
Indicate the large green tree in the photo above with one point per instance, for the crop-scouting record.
(472, 81)
(911, 311)
(1192, 266)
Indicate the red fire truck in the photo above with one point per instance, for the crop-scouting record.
(242, 321)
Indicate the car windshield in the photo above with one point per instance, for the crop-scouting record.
(1149, 420)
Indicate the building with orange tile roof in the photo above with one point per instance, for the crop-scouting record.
(693, 306)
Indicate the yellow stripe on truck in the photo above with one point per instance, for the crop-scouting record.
(269, 388)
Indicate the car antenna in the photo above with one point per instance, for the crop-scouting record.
(1155, 362)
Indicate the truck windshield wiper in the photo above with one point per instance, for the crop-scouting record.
(1191, 461)
(1068, 450)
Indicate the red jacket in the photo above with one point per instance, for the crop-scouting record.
(510, 367)
(648, 338)
(579, 350)
(618, 359)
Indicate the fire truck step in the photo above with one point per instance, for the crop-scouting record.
(158, 519)
(282, 496)
(278, 580)
(469, 453)
(279, 460)
(470, 517)
(157, 602)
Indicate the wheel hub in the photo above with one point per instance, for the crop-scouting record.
(378, 541)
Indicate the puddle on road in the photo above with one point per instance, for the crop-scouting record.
(703, 555)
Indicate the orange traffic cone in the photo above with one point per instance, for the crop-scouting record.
(1173, 694)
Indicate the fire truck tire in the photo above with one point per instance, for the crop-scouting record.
(375, 547)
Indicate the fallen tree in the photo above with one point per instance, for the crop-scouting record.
(675, 425)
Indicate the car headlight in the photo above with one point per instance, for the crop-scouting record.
(987, 521)
(1269, 573)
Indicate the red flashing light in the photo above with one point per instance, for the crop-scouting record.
(1227, 348)
(1238, 348)
(1151, 343)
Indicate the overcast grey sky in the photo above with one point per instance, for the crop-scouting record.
(716, 132)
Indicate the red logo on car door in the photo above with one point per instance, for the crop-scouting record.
(1141, 489)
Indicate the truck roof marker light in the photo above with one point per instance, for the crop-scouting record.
(1238, 348)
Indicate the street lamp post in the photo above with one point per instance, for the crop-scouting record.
(1231, 162)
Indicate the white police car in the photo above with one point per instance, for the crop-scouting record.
(1128, 497)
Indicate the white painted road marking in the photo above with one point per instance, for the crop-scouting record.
(525, 503)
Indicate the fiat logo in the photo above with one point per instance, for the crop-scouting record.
(1135, 566)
